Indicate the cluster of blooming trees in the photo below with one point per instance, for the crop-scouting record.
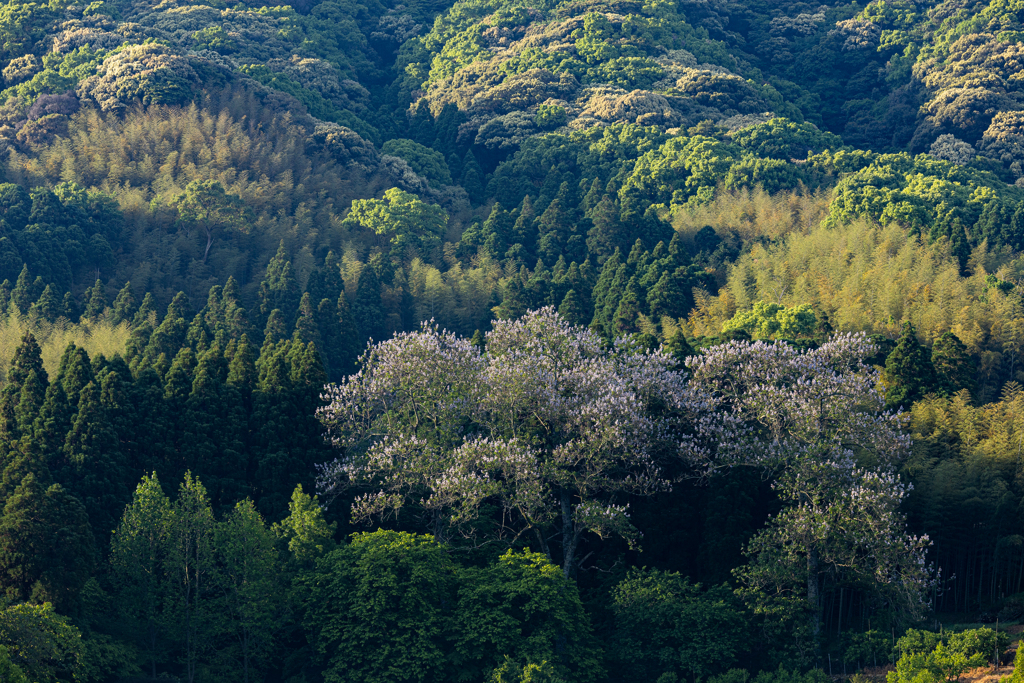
(543, 434)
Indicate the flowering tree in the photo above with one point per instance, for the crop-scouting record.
(816, 421)
(545, 424)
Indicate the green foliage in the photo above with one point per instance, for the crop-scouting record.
(773, 321)
(376, 608)
(39, 644)
(522, 608)
(667, 626)
(403, 219)
(427, 162)
(928, 656)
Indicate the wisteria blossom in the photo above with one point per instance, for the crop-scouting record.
(815, 422)
(546, 424)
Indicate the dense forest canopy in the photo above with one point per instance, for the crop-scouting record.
(510, 340)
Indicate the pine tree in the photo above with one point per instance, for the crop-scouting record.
(123, 309)
(95, 301)
(22, 295)
(215, 426)
(908, 373)
(46, 307)
(146, 313)
(367, 311)
(954, 367)
(278, 290)
(572, 308)
(628, 312)
(47, 549)
(514, 302)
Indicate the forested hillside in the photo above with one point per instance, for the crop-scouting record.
(510, 340)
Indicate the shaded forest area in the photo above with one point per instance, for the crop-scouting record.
(231, 451)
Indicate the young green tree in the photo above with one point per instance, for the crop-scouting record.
(41, 645)
(191, 573)
(522, 607)
(252, 590)
(138, 560)
(666, 625)
(377, 609)
(403, 219)
(205, 204)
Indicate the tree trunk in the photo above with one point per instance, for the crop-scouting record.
(568, 538)
(209, 243)
(813, 599)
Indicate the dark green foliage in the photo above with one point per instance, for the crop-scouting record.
(954, 368)
(908, 374)
(666, 625)
(378, 610)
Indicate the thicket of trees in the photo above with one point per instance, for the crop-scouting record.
(480, 340)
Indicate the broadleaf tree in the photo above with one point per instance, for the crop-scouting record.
(546, 424)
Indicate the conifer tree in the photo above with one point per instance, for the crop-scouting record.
(667, 298)
(47, 549)
(278, 290)
(95, 468)
(95, 300)
(215, 425)
(306, 328)
(75, 372)
(47, 306)
(27, 361)
(367, 311)
(627, 312)
(22, 295)
(51, 426)
(123, 309)
(170, 335)
(514, 302)
(606, 235)
(497, 231)
(954, 367)
(147, 310)
(908, 373)
(242, 369)
(472, 178)
(572, 308)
